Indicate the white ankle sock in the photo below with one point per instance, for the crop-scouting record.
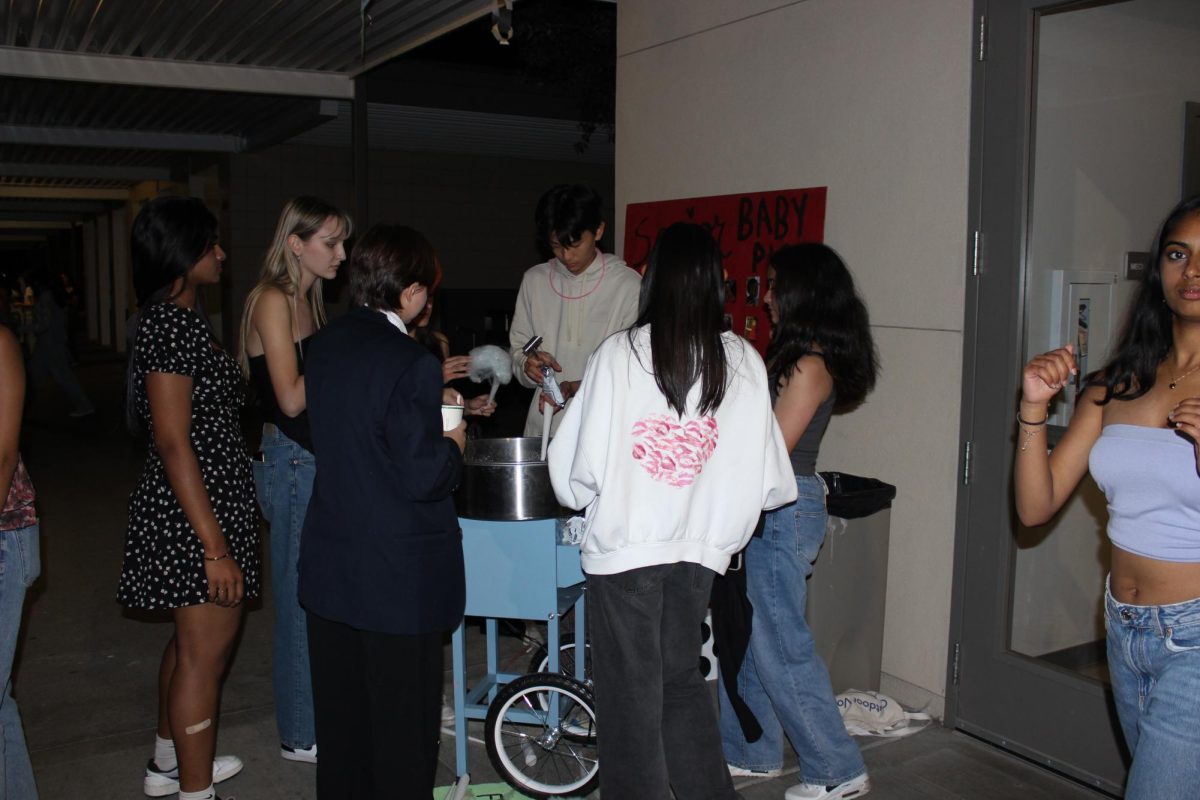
(205, 794)
(164, 753)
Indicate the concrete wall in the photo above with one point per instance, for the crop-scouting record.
(1108, 166)
(871, 99)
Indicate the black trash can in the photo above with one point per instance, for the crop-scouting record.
(847, 592)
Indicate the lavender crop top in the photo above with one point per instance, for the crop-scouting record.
(1149, 477)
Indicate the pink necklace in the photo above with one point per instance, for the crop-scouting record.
(603, 268)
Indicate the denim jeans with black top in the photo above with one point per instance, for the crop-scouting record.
(1154, 664)
(658, 726)
(20, 565)
(284, 480)
(782, 678)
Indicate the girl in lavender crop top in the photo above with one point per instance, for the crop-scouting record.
(1136, 428)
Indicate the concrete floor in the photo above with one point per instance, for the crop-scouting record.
(85, 676)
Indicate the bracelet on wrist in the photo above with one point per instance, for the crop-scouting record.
(1029, 424)
(221, 557)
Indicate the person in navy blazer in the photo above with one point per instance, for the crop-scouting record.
(381, 564)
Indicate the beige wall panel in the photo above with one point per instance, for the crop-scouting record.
(645, 24)
(907, 434)
(822, 93)
(871, 99)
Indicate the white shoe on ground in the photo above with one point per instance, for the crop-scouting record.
(306, 756)
(855, 787)
(163, 782)
(741, 772)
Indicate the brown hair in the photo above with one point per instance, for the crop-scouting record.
(385, 261)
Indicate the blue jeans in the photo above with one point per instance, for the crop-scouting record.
(20, 564)
(1154, 662)
(782, 679)
(284, 480)
(660, 731)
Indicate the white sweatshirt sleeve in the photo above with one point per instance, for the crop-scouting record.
(779, 484)
(578, 453)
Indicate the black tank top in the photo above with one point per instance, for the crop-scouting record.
(804, 454)
(295, 428)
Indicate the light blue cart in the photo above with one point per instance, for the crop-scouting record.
(540, 729)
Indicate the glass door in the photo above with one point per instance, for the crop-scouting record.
(1078, 151)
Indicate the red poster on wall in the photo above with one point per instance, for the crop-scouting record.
(748, 228)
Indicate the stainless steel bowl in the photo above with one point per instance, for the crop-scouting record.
(503, 479)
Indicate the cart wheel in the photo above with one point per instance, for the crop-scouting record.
(540, 662)
(536, 752)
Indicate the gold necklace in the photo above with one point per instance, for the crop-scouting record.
(1174, 382)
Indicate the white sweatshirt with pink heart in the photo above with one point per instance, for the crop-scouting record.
(657, 488)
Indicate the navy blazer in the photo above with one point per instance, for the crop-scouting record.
(381, 548)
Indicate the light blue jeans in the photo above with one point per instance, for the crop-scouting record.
(284, 480)
(20, 565)
(1154, 662)
(783, 679)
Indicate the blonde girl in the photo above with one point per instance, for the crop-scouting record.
(282, 312)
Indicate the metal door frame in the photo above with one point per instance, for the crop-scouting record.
(1045, 713)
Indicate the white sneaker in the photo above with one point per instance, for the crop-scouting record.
(740, 772)
(855, 787)
(448, 715)
(163, 782)
(306, 756)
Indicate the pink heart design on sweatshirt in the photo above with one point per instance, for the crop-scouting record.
(674, 453)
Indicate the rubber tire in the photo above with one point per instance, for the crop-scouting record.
(529, 693)
(566, 658)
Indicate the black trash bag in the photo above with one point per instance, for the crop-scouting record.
(852, 496)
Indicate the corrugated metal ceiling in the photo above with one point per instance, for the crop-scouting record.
(326, 35)
(28, 102)
(69, 131)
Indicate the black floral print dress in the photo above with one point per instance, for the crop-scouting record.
(164, 558)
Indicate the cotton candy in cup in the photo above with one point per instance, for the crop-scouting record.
(451, 417)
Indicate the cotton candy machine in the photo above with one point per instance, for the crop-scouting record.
(506, 480)
(517, 567)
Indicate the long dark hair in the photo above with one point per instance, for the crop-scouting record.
(681, 297)
(820, 312)
(170, 235)
(1147, 336)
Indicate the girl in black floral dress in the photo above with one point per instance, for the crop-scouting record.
(192, 541)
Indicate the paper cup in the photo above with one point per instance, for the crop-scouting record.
(451, 416)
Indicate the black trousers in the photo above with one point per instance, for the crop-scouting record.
(658, 727)
(377, 701)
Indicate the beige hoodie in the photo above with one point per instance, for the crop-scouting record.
(573, 314)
